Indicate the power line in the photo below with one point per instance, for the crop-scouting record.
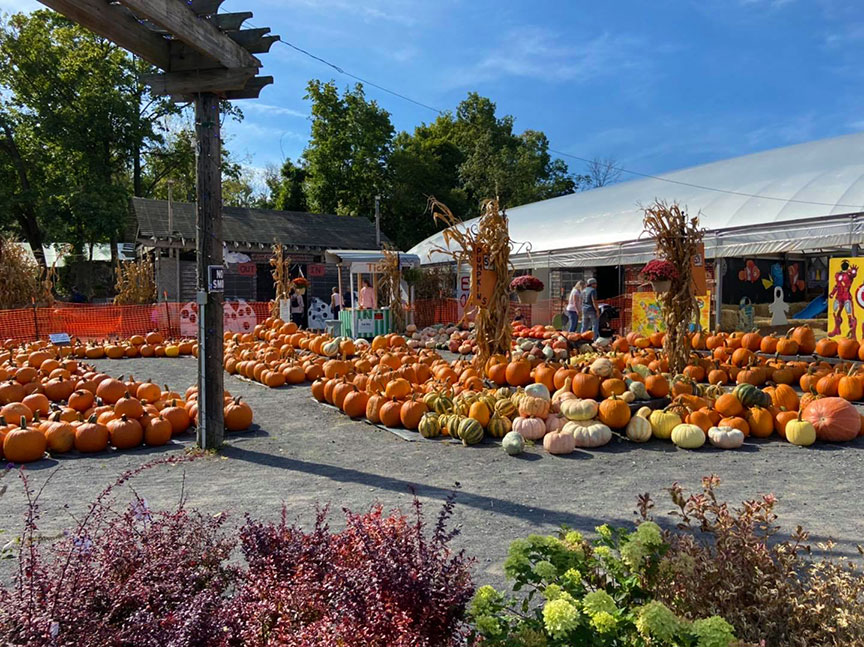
(561, 153)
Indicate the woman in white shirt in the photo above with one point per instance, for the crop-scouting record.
(574, 306)
(335, 303)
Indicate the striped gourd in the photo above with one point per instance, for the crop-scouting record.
(498, 426)
(430, 425)
(505, 408)
(470, 431)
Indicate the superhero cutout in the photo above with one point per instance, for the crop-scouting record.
(842, 294)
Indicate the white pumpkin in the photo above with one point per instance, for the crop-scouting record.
(565, 392)
(555, 423)
(530, 428)
(638, 389)
(538, 391)
(726, 437)
(639, 429)
(663, 422)
(688, 436)
(579, 409)
(628, 396)
(601, 367)
(593, 435)
(643, 370)
(331, 348)
(558, 443)
(644, 412)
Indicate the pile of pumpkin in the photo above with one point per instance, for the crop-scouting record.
(153, 344)
(56, 404)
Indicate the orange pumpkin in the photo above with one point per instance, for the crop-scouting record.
(355, 403)
(805, 339)
(518, 373)
(585, 385)
(91, 436)
(411, 411)
(847, 348)
(125, 432)
(391, 413)
(781, 420)
(237, 416)
(701, 419)
(728, 405)
(761, 422)
(24, 444)
(826, 347)
(373, 408)
(657, 386)
(784, 396)
(158, 431)
(834, 419)
(614, 413)
(850, 387)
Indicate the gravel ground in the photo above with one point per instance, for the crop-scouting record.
(306, 454)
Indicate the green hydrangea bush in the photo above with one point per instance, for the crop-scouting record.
(568, 591)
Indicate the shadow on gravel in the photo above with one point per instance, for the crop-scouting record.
(479, 501)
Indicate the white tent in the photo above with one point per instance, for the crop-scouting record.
(811, 198)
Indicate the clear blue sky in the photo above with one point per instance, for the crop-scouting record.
(657, 85)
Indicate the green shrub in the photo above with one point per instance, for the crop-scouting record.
(568, 591)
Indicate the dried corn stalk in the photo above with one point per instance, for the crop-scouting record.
(390, 287)
(135, 282)
(281, 272)
(491, 234)
(678, 237)
(22, 281)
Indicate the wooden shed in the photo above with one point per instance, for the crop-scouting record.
(168, 231)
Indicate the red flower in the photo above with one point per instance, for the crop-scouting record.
(526, 282)
(659, 270)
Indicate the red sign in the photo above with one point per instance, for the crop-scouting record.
(247, 269)
(316, 269)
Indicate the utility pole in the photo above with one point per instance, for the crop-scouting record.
(378, 222)
(208, 217)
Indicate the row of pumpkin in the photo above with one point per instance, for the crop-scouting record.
(57, 404)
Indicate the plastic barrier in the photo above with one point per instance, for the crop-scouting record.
(99, 322)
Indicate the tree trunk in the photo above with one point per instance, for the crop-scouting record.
(137, 184)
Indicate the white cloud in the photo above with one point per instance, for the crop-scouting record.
(534, 52)
(266, 108)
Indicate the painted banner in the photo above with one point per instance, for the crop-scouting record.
(647, 316)
(463, 290)
(845, 298)
(483, 276)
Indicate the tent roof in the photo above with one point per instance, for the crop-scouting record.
(242, 227)
(351, 256)
(808, 193)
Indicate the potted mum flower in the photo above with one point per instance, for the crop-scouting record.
(527, 288)
(300, 284)
(660, 273)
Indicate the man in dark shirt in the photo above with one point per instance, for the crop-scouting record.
(590, 309)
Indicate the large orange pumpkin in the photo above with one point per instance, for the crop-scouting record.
(657, 386)
(24, 444)
(586, 385)
(834, 419)
(850, 387)
(728, 405)
(410, 413)
(125, 432)
(518, 373)
(158, 431)
(736, 422)
(614, 413)
(238, 417)
(373, 408)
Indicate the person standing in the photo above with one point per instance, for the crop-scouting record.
(335, 303)
(574, 306)
(367, 296)
(297, 308)
(590, 309)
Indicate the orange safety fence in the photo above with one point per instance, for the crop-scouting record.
(173, 320)
(96, 322)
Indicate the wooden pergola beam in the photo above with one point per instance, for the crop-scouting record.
(120, 28)
(251, 90)
(189, 83)
(230, 21)
(202, 35)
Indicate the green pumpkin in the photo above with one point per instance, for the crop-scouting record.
(513, 443)
(430, 425)
(498, 426)
(470, 431)
(505, 409)
(751, 396)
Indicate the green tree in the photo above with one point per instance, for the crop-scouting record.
(286, 187)
(71, 124)
(346, 158)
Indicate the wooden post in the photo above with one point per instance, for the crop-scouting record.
(339, 281)
(211, 426)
